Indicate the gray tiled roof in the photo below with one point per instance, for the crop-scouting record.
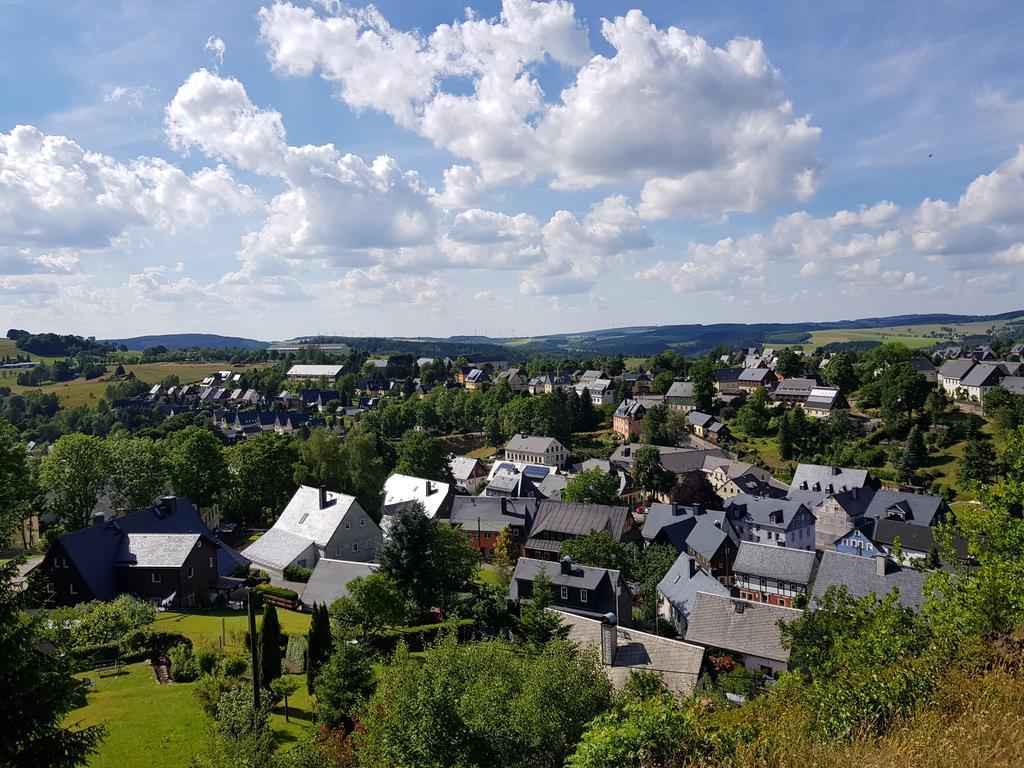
(698, 419)
(681, 389)
(684, 580)
(530, 444)
(716, 622)
(755, 374)
(677, 663)
(956, 369)
(762, 510)
(463, 466)
(630, 409)
(1014, 384)
(860, 576)
(492, 512)
(822, 398)
(577, 519)
(770, 561)
(816, 477)
(581, 576)
(156, 550)
(331, 578)
(278, 548)
(982, 375)
(918, 508)
(795, 387)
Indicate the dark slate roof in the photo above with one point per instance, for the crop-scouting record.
(719, 621)
(860, 576)
(493, 513)
(581, 576)
(630, 409)
(765, 511)
(728, 374)
(331, 578)
(983, 375)
(1014, 384)
(576, 519)
(912, 537)
(698, 419)
(94, 550)
(816, 477)
(956, 369)
(755, 374)
(795, 387)
(923, 365)
(918, 508)
(770, 561)
(682, 461)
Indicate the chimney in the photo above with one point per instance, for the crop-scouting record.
(738, 607)
(697, 510)
(167, 505)
(504, 505)
(430, 488)
(609, 639)
(625, 451)
(693, 567)
(880, 565)
(566, 564)
(323, 496)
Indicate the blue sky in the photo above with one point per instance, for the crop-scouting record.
(274, 169)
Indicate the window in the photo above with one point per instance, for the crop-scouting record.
(764, 583)
(355, 546)
(583, 595)
(362, 521)
(564, 593)
(156, 578)
(211, 561)
(191, 572)
(347, 525)
(72, 589)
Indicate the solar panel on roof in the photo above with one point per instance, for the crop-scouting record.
(536, 472)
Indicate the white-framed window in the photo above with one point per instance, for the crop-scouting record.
(191, 572)
(362, 521)
(583, 596)
(72, 589)
(347, 525)
(156, 578)
(211, 561)
(564, 593)
(355, 546)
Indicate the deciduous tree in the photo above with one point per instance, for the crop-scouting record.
(194, 464)
(593, 485)
(73, 474)
(373, 602)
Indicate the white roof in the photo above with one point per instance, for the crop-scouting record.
(314, 371)
(462, 466)
(402, 489)
(277, 549)
(304, 518)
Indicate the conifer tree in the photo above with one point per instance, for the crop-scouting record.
(320, 644)
(269, 646)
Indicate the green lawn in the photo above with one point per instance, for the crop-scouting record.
(152, 726)
(488, 576)
(205, 629)
(147, 724)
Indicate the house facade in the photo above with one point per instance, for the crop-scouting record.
(773, 575)
(627, 419)
(527, 449)
(581, 590)
(777, 522)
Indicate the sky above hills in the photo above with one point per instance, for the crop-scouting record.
(280, 168)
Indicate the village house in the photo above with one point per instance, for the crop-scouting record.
(627, 419)
(919, 509)
(477, 378)
(926, 368)
(749, 630)
(556, 521)
(776, 522)
(624, 650)
(637, 383)
(678, 591)
(403, 491)
(756, 378)
(164, 553)
(793, 391)
(773, 575)
(680, 397)
(469, 473)
(730, 478)
(822, 401)
(863, 576)
(316, 523)
(330, 579)
(706, 535)
(546, 451)
(600, 391)
(483, 518)
(516, 379)
(982, 379)
(706, 426)
(952, 373)
(303, 372)
(581, 590)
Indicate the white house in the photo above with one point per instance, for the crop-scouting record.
(316, 523)
(546, 451)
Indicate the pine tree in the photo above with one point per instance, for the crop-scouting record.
(914, 454)
(269, 646)
(785, 438)
(39, 677)
(320, 644)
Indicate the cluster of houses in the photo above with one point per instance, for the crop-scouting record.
(970, 379)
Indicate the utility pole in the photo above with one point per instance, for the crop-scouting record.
(253, 654)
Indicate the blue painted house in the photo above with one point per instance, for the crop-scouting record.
(856, 542)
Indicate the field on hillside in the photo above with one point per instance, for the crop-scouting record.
(88, 392)
(914, 336)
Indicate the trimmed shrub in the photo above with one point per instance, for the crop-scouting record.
(206, 661)
(184, 668)
(296, 653)
(279, 592)
(235, 666)
(297, 573)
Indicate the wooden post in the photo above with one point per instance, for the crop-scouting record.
(253, 654)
